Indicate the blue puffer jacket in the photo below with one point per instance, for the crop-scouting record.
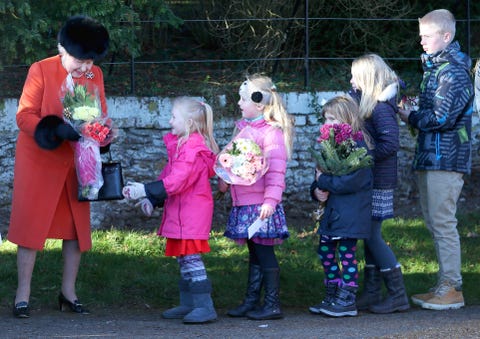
(444, 118)
(383, 128)
(348, 210)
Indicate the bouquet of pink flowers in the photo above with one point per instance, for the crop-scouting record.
(339, 154)
(81, 109)
(242, 161)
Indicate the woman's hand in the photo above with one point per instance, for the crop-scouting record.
(318, 173)
(266, 211)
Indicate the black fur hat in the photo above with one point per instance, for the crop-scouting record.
(84, 38)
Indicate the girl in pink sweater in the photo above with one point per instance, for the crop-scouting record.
(183, 188)
(266, 121)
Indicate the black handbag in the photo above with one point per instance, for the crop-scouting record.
(112, 182)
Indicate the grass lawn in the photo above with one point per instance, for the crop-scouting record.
(128, 268)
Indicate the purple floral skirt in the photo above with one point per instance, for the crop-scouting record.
(272, 233)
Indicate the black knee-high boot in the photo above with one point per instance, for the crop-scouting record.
(271, 305)
(252, 296)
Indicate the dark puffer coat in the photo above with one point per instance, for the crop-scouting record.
(444, 118)
(348, 210)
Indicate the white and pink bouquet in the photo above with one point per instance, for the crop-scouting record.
(82, 110)
(241, 162)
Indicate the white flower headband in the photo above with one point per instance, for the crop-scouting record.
(257, 95)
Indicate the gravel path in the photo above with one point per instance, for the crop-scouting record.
(415, 323)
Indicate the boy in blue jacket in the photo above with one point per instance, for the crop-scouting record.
(442, 155)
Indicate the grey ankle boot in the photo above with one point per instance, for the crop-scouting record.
(343, 304)
(252, 297)
(396, 299)
(186, 302)
(372, 288)
(271, 304)
(203, 309)
(330, 292)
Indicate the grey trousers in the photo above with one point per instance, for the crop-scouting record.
(439, 193)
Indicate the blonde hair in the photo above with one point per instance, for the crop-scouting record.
(345, 109)
(274, 112)
(371, 75)
(443, 19)
(200, 114)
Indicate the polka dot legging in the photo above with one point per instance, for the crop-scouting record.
(346, 247)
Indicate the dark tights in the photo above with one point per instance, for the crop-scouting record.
(262, 255)
(377, 252)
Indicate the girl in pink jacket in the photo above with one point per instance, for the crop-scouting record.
(183, 188)
(265, 121)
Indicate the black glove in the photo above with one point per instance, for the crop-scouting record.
(66, 132)
(156, 193)
(105, 149)
(50, 132)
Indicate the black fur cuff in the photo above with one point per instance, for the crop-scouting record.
(45, 135)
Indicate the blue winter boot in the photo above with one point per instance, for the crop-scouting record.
(203, 309)
(186, 302)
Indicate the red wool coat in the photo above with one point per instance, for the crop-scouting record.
(42, 176)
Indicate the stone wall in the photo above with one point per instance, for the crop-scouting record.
(142, 122)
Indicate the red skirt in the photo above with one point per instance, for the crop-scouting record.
(179, 247)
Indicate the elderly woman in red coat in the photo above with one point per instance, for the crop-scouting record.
(44, 203)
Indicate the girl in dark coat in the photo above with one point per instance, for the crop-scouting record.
(346, 218)
(375, 85)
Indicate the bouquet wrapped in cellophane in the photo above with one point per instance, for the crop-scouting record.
(242, 161)
(409, 103)
(82, 110)
(339, 154)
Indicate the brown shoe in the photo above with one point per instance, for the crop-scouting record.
(446, 298)
(419, 299)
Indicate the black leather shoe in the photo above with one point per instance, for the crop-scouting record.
(75, 306)
(21, 309)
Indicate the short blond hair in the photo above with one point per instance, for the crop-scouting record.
(443, 19)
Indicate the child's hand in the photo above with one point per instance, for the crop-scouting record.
(404, 114)
(134, 191)
(318, 173)
(266, 211)
(321, 195)
(222, 186)
(146, 206)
